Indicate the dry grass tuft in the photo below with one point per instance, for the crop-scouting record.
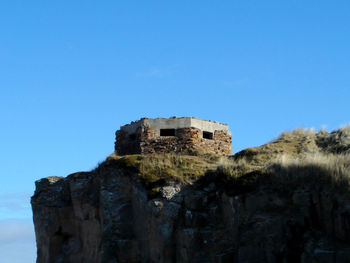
(299, 157)
(236, 168)
(331, 170)
(182, 168)
(335, 142)
(293, 143)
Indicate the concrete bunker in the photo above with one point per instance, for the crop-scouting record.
(186, 135)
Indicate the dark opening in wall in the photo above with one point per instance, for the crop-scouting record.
(207, 135)
(132, 136)
(167, 132)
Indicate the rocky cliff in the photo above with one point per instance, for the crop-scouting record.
(286, 201)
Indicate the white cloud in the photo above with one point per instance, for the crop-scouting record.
(157, 72)
(24, 252)
(16, 231)
(17, 241)
(15, 206)
(17, 237)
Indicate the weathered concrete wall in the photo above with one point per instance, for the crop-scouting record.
(209, 126)
(162, 123)
(174, 123)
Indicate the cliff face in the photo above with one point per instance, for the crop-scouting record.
(122, 212)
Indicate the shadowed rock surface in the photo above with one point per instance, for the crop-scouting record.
(258, 210)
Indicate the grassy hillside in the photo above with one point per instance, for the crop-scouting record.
(300, 157)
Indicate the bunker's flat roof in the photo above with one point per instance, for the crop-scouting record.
(175, 123)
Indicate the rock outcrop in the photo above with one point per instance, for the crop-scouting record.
(113, 214)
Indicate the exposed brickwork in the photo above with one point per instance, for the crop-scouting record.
(186, 141)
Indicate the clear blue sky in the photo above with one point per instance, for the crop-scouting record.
(72, 72)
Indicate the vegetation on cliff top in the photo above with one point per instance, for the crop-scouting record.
(298, 157)
(180, 168)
